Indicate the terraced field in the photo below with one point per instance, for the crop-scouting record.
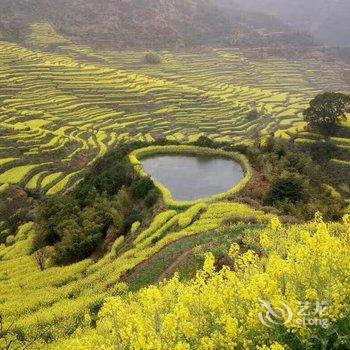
(64, 105)
(59, 297)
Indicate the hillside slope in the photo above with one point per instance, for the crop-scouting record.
(326, 20)
(141, 23)
(224, 309)
(88, 101)
(272, 262)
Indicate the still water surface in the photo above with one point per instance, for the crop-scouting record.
(193, 177)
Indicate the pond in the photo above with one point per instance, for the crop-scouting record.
(190, 177)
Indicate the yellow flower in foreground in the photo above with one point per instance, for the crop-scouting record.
(220, 309)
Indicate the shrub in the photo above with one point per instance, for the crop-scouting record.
(15, 208)
(75, 248)
(288, 188)
(4, 234)
(323, 152)
(10, 240)
(152, 198)
(252, 115)
(152, 58)
(204, 141)
(130, 220)
(141, 187)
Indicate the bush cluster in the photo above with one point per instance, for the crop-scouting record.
(152, 58)
(109, 199)
(295, 182)
(289, 177)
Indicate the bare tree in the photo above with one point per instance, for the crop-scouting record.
(7, 345)
(4, 331)
(40, 258)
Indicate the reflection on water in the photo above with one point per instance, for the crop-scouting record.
(193, 177)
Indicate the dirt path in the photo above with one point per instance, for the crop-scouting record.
(136, 269)
(169, 272)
